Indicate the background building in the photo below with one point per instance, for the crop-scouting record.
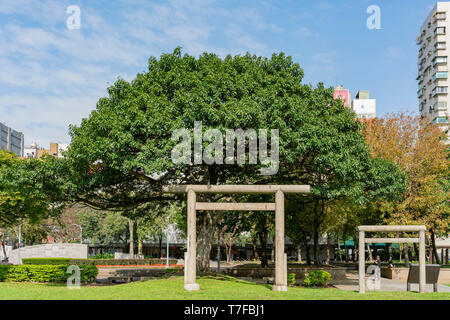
(344, 95)
(433, 65)
(364, 107)
(56, 150)
(11, 140)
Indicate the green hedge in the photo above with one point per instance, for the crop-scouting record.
(44, 273)
(317, 278)
(47, 261)
(121, 262)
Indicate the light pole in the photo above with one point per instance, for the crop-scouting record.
(20, 240)
(81, 232)
(167, 246)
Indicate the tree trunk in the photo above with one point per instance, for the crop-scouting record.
(317, 261)
(390, 252)
(416, 252)
(140, 244)
(131, 228)
(433, 244)
(308, 254)
(369, 252)
(229, 253)
(263, 240)
(160, 246)
(430, 251)
(406, 249)
(339, 247)
(255, 250)
(298, 248)
(328, 249)
(346, 250)
(205, 241)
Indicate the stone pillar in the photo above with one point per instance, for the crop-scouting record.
(280, 266)
(190, 283)
(422, 269)
(362, 263)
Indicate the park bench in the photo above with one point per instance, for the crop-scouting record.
(432, 275)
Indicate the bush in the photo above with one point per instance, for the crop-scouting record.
(4, 269)
(120, 262)
(317, 278)
(88, 273)
(102, 256)
(291, 279)
(47, 261)
(44, 273)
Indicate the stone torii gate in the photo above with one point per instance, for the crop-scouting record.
(190, 268)
(363, 240)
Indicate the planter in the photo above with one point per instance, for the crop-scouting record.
(401, 274)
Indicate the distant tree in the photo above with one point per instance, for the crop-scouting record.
(115, 228)
(418, 147)
(92, 223)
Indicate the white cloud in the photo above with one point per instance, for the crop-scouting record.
(51, 77)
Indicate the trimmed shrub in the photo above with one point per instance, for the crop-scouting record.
(291, 279)
(120, 262)
(44, 273)
(4, 269)
(102, 256)
(317, 278)
(88, 273)
(47, 261)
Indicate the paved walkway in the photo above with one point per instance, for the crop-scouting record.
(352, 284)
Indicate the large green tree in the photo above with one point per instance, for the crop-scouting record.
(121, 154)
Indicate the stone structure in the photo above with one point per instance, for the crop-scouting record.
(363, 240)
(192, 207)
(51, 250)
(120, 255)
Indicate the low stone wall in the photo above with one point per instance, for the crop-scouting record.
(259, 273)
(402, 274)
(51, 250)
(120, 255)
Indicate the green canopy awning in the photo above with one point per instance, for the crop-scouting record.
(351, 243)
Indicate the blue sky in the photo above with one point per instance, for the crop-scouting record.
(51, 76)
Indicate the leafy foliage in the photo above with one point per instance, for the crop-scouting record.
(44, 273)
(317, 278)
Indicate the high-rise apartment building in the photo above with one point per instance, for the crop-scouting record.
(434, 42)
(11, 140)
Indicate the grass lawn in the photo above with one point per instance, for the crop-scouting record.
(210, 289)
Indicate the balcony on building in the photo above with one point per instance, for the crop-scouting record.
(420, 92)
(439, 31)
(440, 120)
(440, 75)
(419, 40)
(440, 106)
(438, 60)
(439, 90)
(440, 16)
(441, 46)
(420, 78)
